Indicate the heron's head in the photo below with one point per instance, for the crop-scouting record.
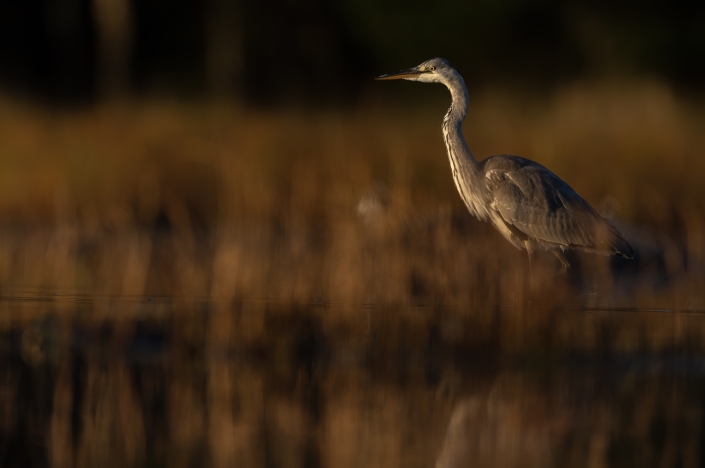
(436, 70)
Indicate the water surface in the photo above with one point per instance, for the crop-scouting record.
(158, 381)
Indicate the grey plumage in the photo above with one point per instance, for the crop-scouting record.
(528, 204)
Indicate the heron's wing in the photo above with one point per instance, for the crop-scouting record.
(537, 203)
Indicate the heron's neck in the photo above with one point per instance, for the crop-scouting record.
(465, 168)
(458, 150)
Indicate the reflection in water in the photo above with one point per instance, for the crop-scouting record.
(590, 420)
(191, 391)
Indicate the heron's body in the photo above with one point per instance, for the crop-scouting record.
(528, 204)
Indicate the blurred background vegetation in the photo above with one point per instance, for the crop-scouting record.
(223, 244)
(246, 143)
(241, 149)
(318, 51)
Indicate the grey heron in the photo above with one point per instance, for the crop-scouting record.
(528, 204)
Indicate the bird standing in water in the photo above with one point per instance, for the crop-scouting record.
(528, 204)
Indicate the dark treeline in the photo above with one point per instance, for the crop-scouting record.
(319, 50)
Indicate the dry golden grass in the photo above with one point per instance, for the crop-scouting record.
(213, 202)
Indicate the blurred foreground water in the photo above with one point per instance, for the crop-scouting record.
(194, 383)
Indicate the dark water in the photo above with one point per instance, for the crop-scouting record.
(157, 382)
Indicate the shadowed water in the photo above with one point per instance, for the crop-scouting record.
(194, 383)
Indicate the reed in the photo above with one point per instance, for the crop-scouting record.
(346, 208)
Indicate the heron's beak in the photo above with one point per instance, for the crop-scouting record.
(402, 74)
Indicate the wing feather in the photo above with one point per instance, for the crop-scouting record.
(539, 204)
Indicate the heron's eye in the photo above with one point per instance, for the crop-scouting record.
(432, 68)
